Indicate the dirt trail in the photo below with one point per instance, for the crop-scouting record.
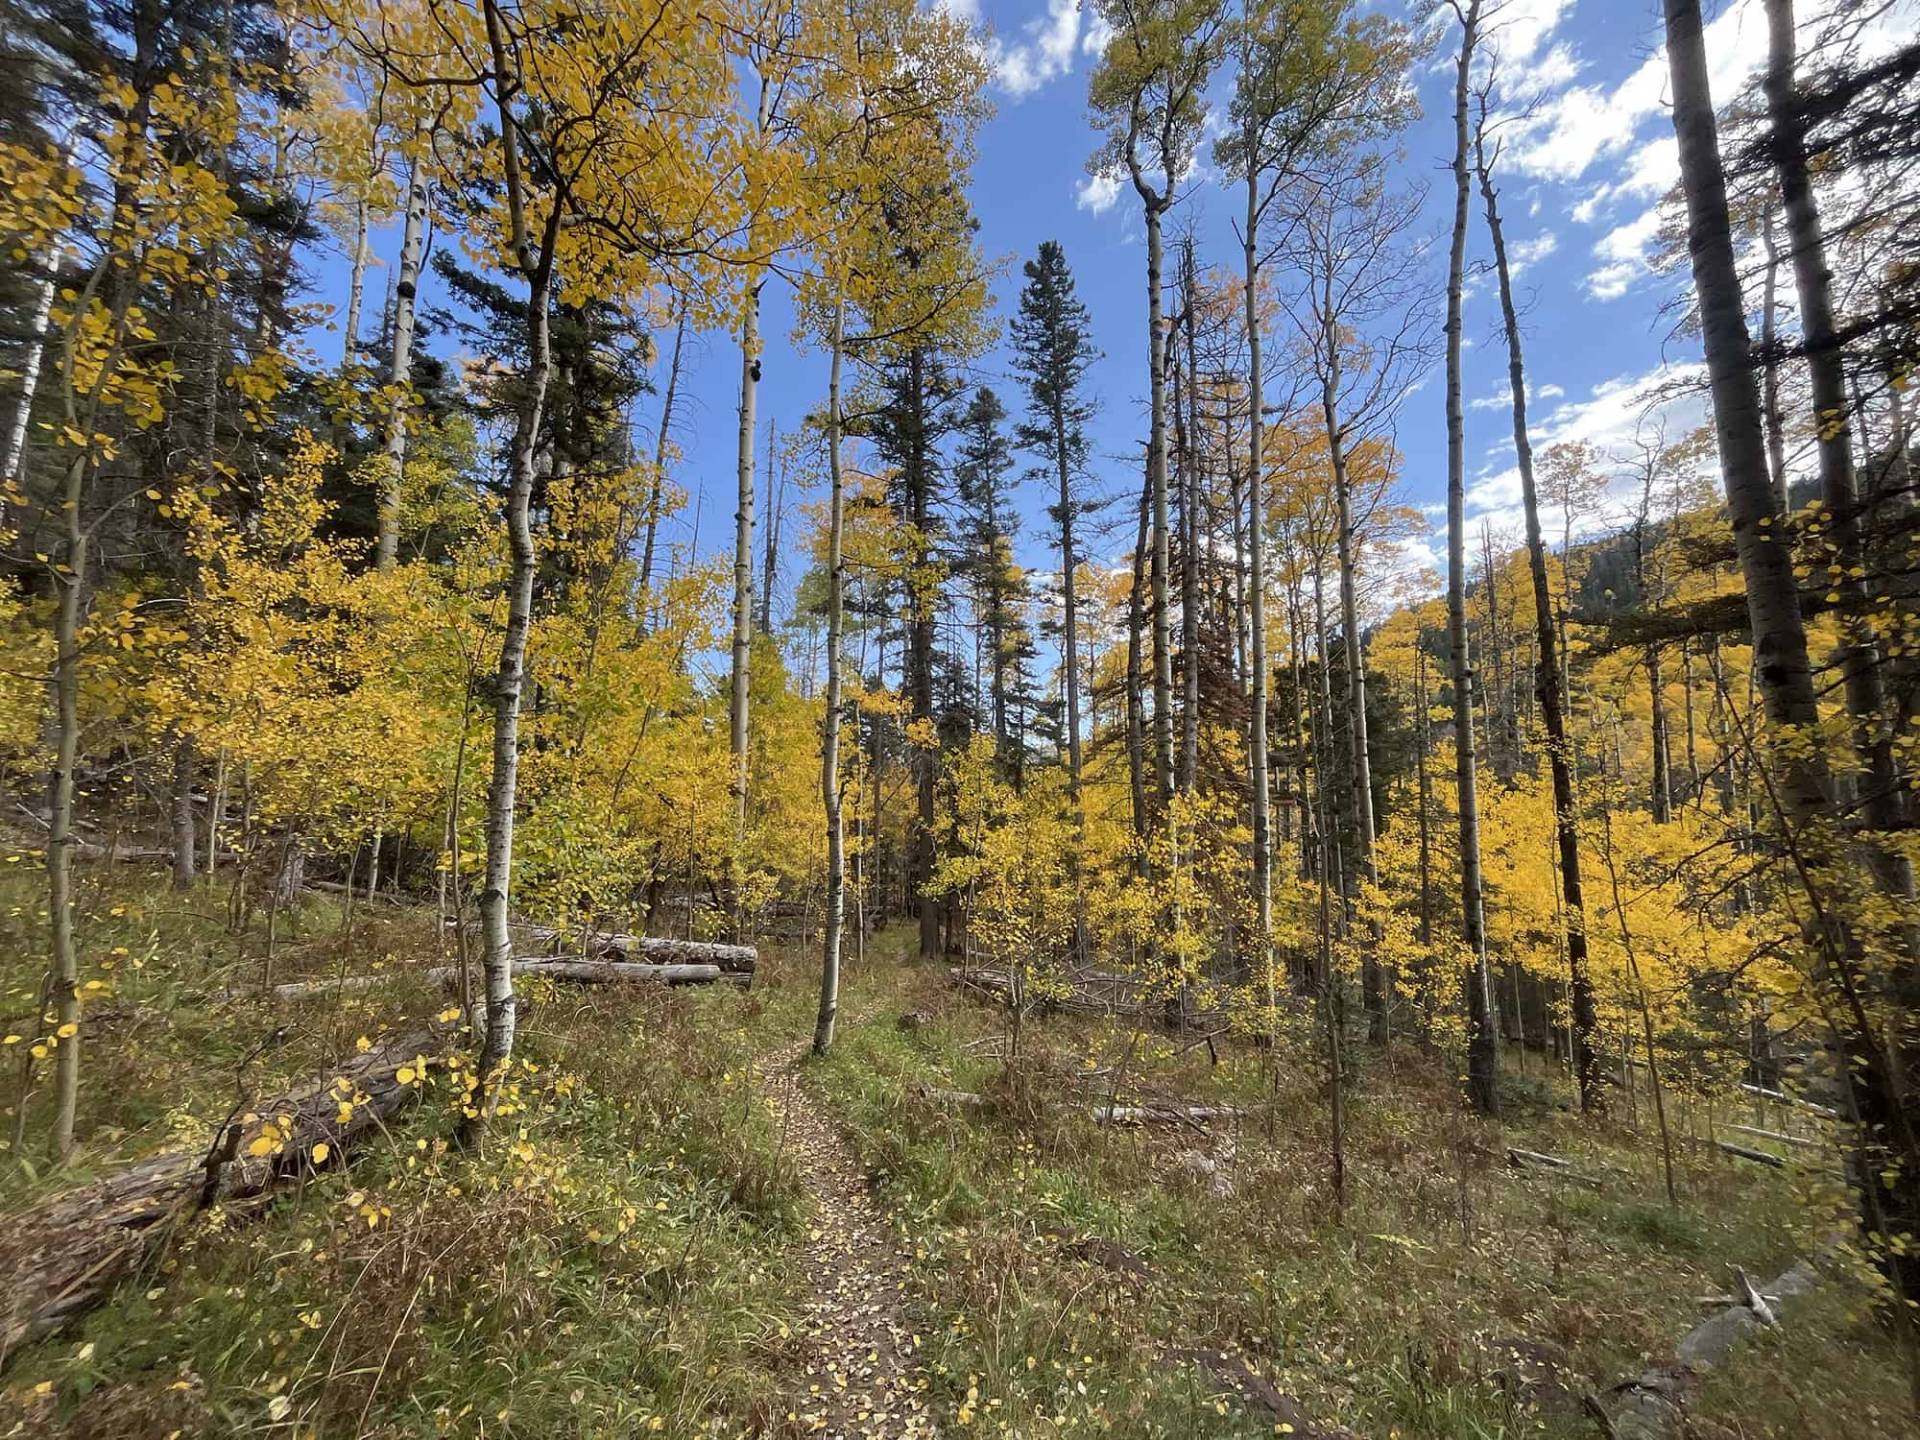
(863, 1377)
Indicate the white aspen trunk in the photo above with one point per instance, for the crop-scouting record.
(13, 461)
(743, 587)
(743, 553)
(537, 267)
(356, 283)
(400, 368)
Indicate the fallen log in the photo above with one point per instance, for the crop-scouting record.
(1517, 1156)
(1554, 1165)
(1780, 1097)
(593, 972)
(1648, 1406)
(1747, 1152)
(998, 984)
(650, 949)
(589, 972)
(62, 1256)
(1165, 1114)
(1776, 1137)
(1105, 1113)
(1233, 1375)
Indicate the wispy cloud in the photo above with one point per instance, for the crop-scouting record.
(1097, 193)
(1046, 48)
(1669, 397)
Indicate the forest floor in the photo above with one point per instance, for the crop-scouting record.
(863, 1375)
(682, 1227)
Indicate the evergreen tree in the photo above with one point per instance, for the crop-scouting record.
(1052, 348)
(984, 557)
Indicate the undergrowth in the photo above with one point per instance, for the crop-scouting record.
(622, 1256)
(611, 1262)
(1075, 1267)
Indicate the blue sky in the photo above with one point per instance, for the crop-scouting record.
(1585, 170)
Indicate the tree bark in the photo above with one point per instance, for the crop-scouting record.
(1190, 536)
(13, 459)
(1372, 981)
(64, 990)
(658, 479)
(400, 365)
(181, 817)
(1136, 701)
(1157, 483)
(1881, 785)
(743, 556)
(1770, 364)
(356, 284)
(536, 265)
(1482, 1043)
(1547, 674)
(830, 734)
(1800, 784)
(920, 604)
(770, 557)
(1256, 595)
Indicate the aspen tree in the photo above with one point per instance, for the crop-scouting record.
(1482, 1041)
(1149, 93)
(1547, 673)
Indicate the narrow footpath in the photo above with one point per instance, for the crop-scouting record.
(863, 1373)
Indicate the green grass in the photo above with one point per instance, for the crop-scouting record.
(616, 1258)
(1396, 1321)
(625, 1252)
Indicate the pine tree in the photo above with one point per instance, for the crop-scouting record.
(1052, 351)
(984, 556)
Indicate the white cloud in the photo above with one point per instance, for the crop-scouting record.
(1045, 51)
(1623, 253)
(1501, 398)
(1532, 250)
(1097, 193)
(1575, 126)
(1097, 33)
(1670, 399)
(1519, 28)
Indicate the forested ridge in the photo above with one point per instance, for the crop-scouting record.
(1004, 936)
